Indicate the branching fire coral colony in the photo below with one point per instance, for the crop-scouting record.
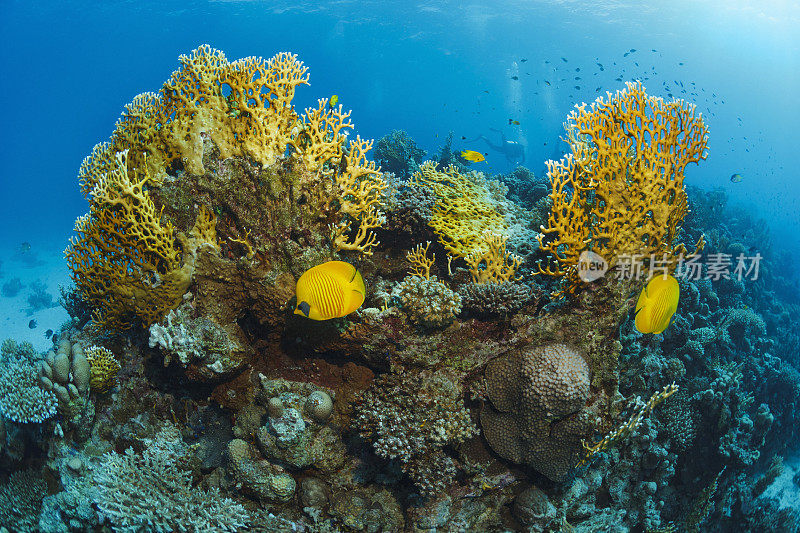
(483, 385)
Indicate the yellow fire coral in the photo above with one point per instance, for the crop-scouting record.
(129, 263)
(255, 119)
(620, 192)
(494, 265)
(104, 368)
(124, 260)
(419, 264)
(465, 209)
(361, 190)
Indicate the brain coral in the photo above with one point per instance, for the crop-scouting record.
(536, 414)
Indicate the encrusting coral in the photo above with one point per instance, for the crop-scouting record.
(620, 191)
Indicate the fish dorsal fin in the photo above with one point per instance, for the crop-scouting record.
(356, 295)
(342, 269)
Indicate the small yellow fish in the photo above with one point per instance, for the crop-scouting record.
(334, 100)
(472, 155)
(330, 290)
(656, 305)
(736, 178)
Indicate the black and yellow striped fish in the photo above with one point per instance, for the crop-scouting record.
(330, 290)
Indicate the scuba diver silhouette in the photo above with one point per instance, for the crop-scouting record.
(513, 151)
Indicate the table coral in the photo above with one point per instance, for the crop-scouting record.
(620, 190)
(496, 299)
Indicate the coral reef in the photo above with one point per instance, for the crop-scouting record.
(21, 398)
(103, 368)
(20, 500)
(154, 490)
(466, 207)
(185, 395)
(398, 153)
(427, 301)
(194, 340)
(496, 299)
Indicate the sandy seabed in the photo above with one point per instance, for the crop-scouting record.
(41, 265)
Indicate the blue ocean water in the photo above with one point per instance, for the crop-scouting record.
(424, 67)
(483, 72)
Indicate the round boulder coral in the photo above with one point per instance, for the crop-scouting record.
(319, 406)
(536, 411)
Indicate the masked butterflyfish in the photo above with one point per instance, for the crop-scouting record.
(656, 305)
(330, 290)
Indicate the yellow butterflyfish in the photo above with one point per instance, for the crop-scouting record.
(330, 290)
(472, 155)
(656, 305)
(333, 101)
